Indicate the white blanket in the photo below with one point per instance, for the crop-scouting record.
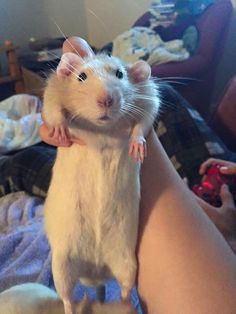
(20, 119)
(144, 43)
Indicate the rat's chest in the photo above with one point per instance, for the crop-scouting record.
(94, 198)
(86, 175)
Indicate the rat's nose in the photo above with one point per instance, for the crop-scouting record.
(105, 101)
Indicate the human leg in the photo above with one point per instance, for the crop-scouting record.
(185, 266)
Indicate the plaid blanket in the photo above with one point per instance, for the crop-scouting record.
(27, 170)
(186, 137)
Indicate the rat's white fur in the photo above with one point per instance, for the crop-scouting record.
(33, 298)
(92, 208)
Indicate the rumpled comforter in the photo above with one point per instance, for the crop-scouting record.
(20, 119)
(144, 43)
(24, 250)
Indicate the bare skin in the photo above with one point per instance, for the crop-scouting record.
(183, 260)
(48, 135)
(185, 265)
(228, 167)
(224, 217)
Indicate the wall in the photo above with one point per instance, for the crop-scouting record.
(70, 15)
(22, 19)
(98, 21)
(108, 18)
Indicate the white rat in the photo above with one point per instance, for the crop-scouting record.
(34, 298)
(92, 207)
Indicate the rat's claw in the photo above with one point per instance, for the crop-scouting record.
(55, 135)
(135, 151)
(138, 148)
(51, 132)
(142, 152)
(60, 134)
(64, 135)
(131, 149)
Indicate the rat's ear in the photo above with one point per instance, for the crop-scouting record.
(67, 64)
(77, 45)
(140, 71)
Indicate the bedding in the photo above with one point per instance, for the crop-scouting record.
(144, 43)
(20, 119)
(24, 250)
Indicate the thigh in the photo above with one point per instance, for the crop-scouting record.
(183, 260)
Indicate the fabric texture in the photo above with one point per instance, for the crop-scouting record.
(144, 43)
(20, 119)
(186, 137)
(24, 250)
(27, 170)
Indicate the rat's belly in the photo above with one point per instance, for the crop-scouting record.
(93, 203)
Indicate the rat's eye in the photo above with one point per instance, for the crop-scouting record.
(82, 77)
(119, 74)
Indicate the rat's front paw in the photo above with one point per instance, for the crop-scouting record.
(138, 148)
(60, 135)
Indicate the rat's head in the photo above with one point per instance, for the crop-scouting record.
(99, 87)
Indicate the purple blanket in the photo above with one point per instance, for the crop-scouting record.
(24, 250)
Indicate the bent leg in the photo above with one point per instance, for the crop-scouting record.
(64, 280)
(185, 265)
(124, 268)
